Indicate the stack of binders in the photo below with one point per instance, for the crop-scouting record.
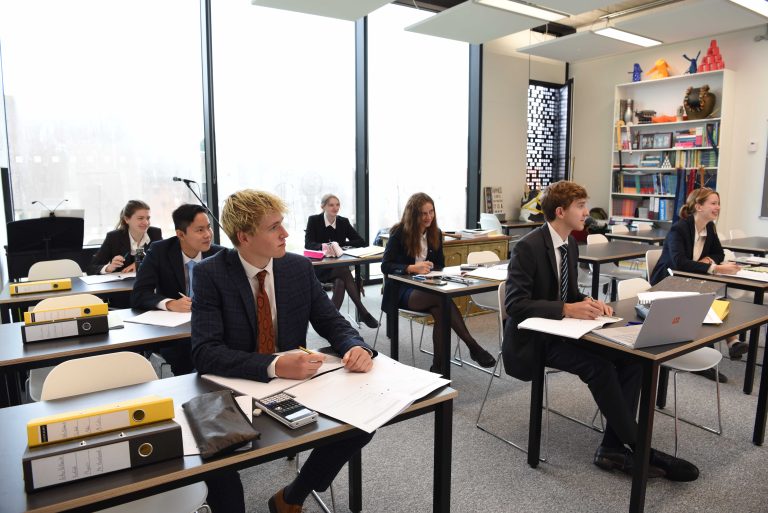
(64, 322)
(77, 445)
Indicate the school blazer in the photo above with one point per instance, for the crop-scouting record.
(677, 252)
(345, 234)
(532, 291)
(117, 242)
(161, 275)
(224, 324)
(396, 260)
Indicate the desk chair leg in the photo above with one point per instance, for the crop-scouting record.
(413, 351)
(317, 496)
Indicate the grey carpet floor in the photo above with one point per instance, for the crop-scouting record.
(488, 475)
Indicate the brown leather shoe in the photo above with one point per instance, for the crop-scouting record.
(277, 504)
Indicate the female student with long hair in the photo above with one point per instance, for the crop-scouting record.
(329, 226)
(132, 232)
(415, 246)
(692, 245)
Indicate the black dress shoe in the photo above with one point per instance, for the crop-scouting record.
(370, 320)
(737, 350)
(621, 458)
(711, 373)
(675, 469)
(482, 357)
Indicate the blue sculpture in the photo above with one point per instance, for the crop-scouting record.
(694, 63)
(637, 73)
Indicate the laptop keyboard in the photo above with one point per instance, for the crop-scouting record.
(625, 335)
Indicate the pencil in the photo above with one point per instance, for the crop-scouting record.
(302, 348)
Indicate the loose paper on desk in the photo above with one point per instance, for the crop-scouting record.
(259, 389)
(367, 400)
(751, 275)
(752, 260)
(567, 327)
(245, 402)
(106, 278)
(489, 273)
(161, 318)
(364, 252)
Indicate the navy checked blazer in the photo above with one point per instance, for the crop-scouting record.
(224, 327)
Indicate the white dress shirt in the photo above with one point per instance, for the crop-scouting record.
(328, 223)
(557, 241)
(699, 239)
(185, 259)
(134, 246)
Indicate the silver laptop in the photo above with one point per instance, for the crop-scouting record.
(669, 320)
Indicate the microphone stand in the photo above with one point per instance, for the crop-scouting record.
(187, 183)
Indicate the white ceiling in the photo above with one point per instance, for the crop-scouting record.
(573, 6)
(578, 46)
(340, 9)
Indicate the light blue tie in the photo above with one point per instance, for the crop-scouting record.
(190, 268)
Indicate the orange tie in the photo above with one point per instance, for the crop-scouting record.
(266, 337)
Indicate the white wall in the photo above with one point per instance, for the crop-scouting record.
(593, 120)
(505, 117)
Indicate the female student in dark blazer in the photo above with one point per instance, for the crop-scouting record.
(692, 245)
(132, 231)
(329, 226)
(415, 246)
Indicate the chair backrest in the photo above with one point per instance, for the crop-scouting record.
(95, 373)
(490, 222)
(651, 259)
(53, 269)
(737, 234)
(619, 228)
(631, 287)
(729, 256)
(481, 257)
(643, 227)
(51, 303)
(596, 238)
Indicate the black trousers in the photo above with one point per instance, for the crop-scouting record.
(225, 492)
(613, 379)
(179, 357)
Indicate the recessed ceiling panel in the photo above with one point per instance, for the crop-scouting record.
(690, 20)
(578, 46)
(474, 23)
(574, 6)
(340, 9)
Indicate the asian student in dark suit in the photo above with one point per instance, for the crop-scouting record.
(329, 226)
(542, 281)
(164, 279)
(692, 245)
(415, 246)
(255, 300)
(132, 231)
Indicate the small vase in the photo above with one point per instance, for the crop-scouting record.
(629, 112)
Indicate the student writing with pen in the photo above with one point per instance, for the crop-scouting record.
(253, 301)
(164, 279)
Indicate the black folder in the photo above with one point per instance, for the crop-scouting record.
(79, 327)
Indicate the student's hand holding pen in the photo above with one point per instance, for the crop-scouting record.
(116, 263)
(184, 304)
(587, 309)
(298, 365)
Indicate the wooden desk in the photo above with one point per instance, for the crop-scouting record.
(446, 293)
(596, 254)
(742, 316)
(17, 357)
(276, 442)
(758, 288)
(758, 246)
(11, 305)
(653, 236)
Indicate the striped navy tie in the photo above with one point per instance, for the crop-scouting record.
(564, 272)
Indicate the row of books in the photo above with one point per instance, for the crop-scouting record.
(674, 160)
(653, 183)
(660, 209)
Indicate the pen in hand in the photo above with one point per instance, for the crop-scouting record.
(302, 348)
(183, 295)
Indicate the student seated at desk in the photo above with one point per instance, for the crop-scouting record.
(133, 231)
(165, 277)
(329, 226)
(542, 282)
(692, 245)
(415, 246)
(257, 299)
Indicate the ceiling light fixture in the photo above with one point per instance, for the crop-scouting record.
(627, 37)
(758, 6)
(524, 9)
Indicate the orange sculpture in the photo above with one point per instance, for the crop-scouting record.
(659, 70)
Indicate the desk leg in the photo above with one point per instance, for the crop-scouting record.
(754, 337)
(537, 399)
(441, 486)
(393, 324)
(356, 482)
(758, 436)
(5, 315)
(596, 280)
(359, 285)
(661, 395)
(445, 337)
(644, 437)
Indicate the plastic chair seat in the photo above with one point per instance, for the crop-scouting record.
(702, 359)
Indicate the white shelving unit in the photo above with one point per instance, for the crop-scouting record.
(656, 189)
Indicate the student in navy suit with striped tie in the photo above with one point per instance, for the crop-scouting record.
(542, 281)
(255, 300)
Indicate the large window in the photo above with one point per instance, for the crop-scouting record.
(284, 86)
(103, 105)
(418, 108)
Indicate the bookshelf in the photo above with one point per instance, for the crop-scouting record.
(649, 160)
